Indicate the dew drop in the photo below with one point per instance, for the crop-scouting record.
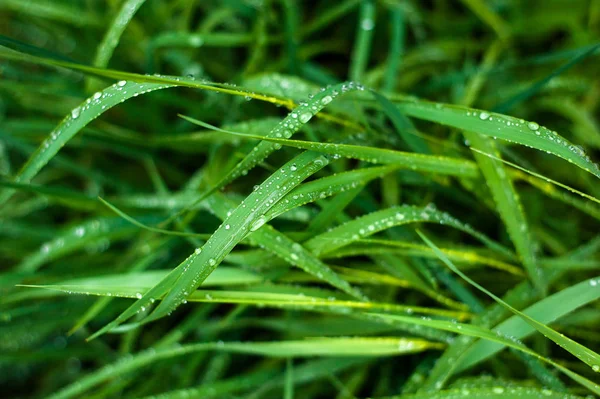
(533, 126)
(212, 262)
(305, 117)
(484, 116)
(258, 223)
(121, 83)
(326, 100)
(75, 113)
(367, 24)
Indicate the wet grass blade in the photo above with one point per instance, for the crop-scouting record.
(504, 127)
(72, 124)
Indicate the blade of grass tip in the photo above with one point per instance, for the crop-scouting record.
(362, 43)
(396, 48)
(243, 220)
(76, 120)
(403, 125)
(583, 353)
(375, 222)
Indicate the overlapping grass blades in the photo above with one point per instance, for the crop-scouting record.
(306, 276)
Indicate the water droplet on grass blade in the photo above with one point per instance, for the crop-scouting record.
(75, 113)
(258, 223)
(305, 117)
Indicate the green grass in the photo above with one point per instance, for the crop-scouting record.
(284, 199)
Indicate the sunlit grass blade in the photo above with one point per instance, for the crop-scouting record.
(275, 296)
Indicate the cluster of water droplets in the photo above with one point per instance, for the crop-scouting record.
(552, 139)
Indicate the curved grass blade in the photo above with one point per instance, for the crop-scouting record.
(504, 127)
(78, 118)
(583, 353)
(372, 223)
(374, 246)
(386, 346)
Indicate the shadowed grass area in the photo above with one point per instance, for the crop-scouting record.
(284, 199)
